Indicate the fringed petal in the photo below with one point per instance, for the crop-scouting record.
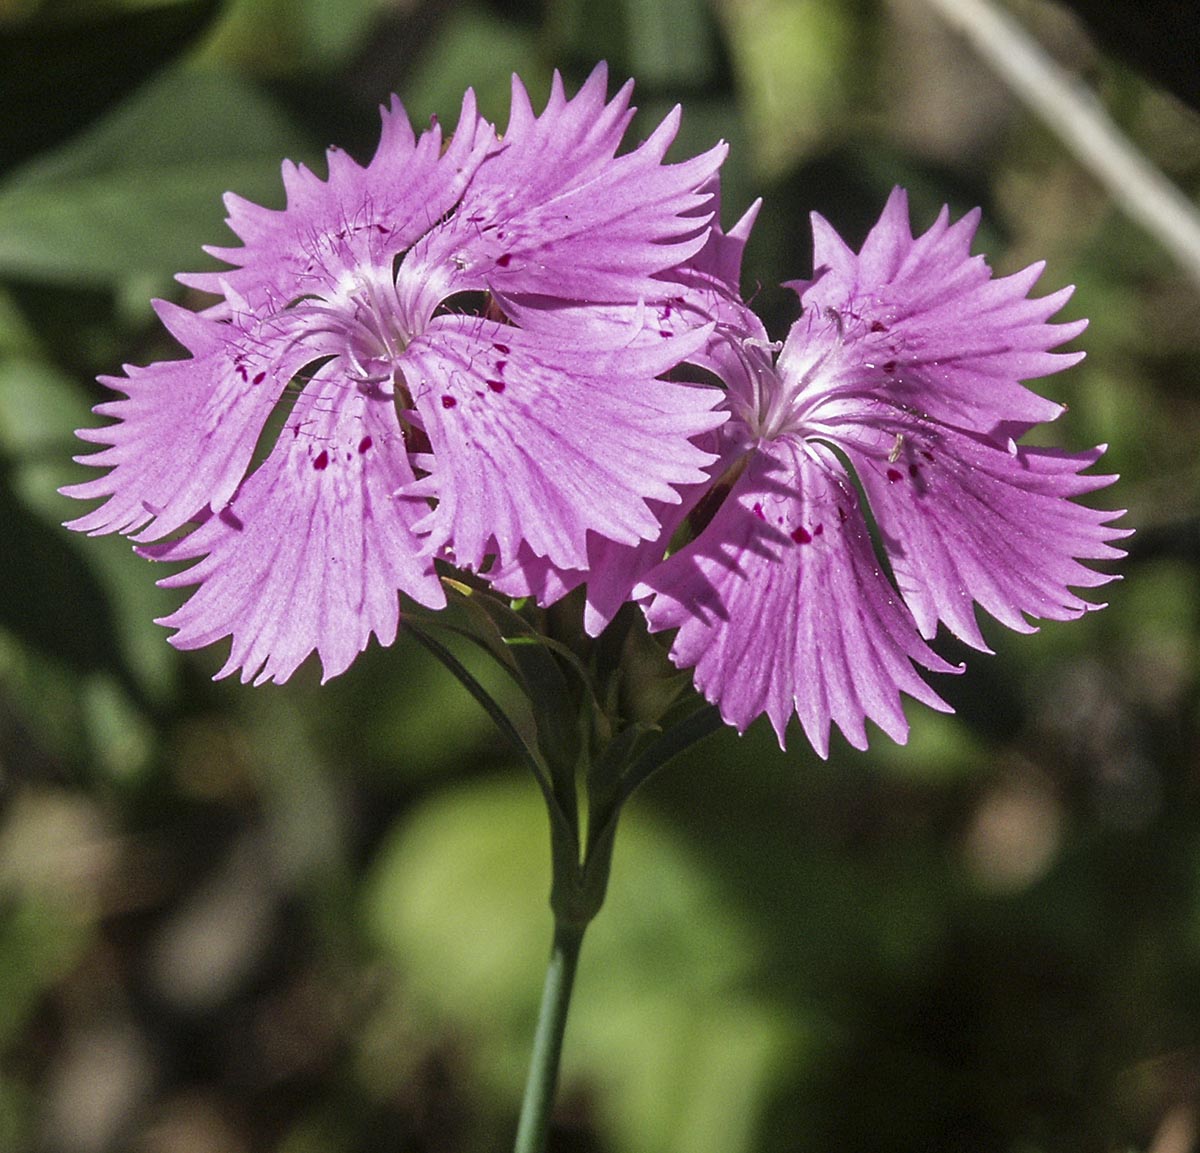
(553, 212)
(922, 323)
(541, 441)
(313, 549)
(185, 430)
(361, 217)
(964, 522)
(613, 570)
(781, 607)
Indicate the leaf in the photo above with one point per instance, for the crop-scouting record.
(58, 77)
(141, 193)
(793, 61)
(294, 37)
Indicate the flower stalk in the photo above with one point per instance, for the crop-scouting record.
(542, 1082)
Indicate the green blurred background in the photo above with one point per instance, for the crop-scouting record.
(313, 919)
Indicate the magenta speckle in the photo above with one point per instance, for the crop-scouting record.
(890, 367)
(878, 326)
(364, 444)
(502, 349)
(448, 401)
(927, 455)
(504, 259)
(801, 535)
(501, 365)
(818, 530)
(259, 377)
(758, 511)
(321, 461)
(496, 385)
(893, 475)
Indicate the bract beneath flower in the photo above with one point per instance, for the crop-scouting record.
(410, 316)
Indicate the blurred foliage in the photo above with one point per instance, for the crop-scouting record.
(313, 919)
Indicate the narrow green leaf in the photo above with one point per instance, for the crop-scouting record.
(487, 702)
(555, 708)
(675, 740)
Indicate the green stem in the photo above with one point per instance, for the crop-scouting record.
(540, 1087)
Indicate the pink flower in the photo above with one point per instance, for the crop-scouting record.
(373, 317)
(901, 384)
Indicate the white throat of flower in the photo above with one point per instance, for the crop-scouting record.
(364, 317)
(783, 392)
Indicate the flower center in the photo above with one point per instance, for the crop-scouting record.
(788, 393)
(780, 395)
(362, 322)
(374, 329)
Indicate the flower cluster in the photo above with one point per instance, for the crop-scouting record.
(478, 351)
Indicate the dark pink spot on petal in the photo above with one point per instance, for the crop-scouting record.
(496, 385)
(893, 475)
(259, 377)
(890, 367)
(818, 530)
(801, 535)
(758, 511)
(364, 444)
(321, 461)
(504, 259)
(502, 349)
(927, 455)
(501, 365)
(448, 401)
(878, 326)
